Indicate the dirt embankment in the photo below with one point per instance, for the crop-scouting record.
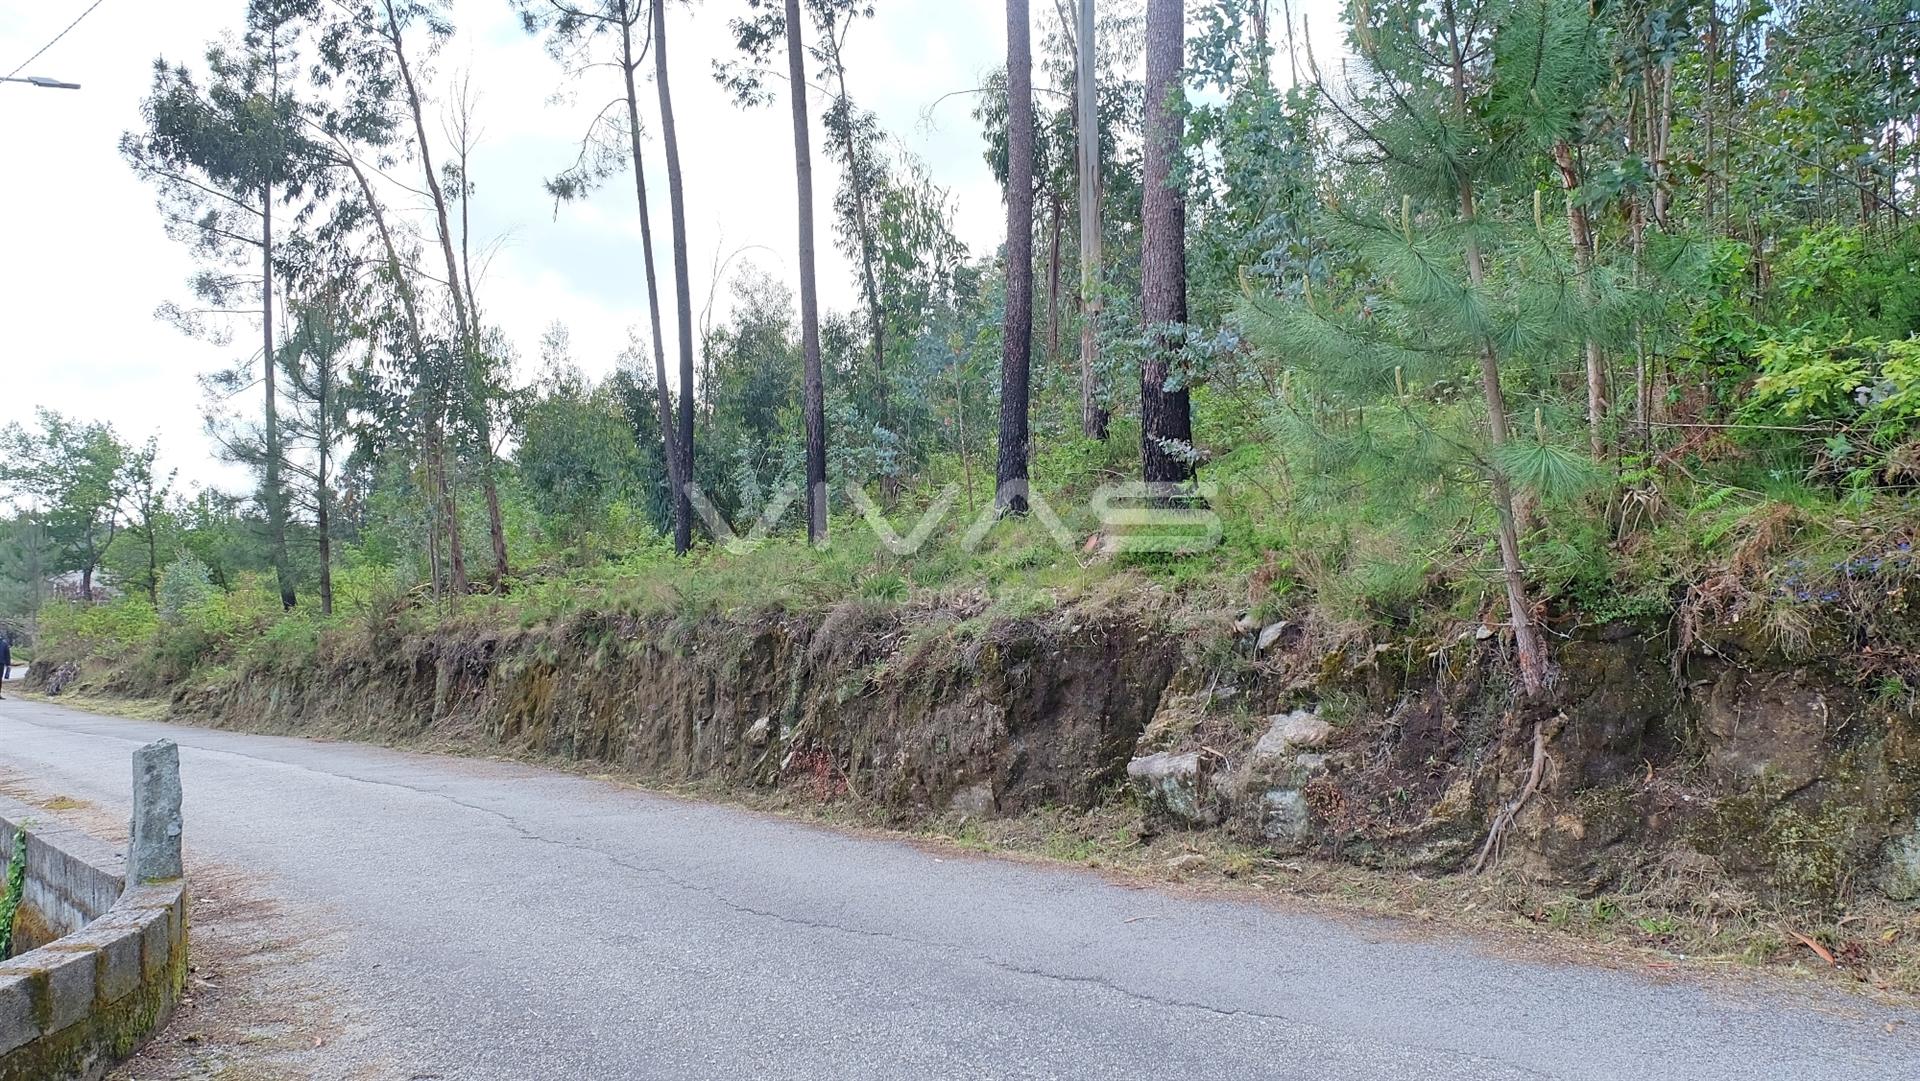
(1731, 763)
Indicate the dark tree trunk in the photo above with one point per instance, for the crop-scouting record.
(1164, 414)
(815, 405)
(627, 63)
(1016, 355)
(323, 520)
(153, 562)
(1055, 207)
(682, 287)
(274, 484)
(1093, 415)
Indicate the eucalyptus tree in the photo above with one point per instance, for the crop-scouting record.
(1086, 72)
(1017, 326)
(223, 154)
(682, 283)
(578, 36)
(391, 21)
(755, 36)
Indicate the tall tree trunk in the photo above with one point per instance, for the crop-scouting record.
(275, 484)
(1017, 351)
(444, 512)
(1262, 46)
(815, 405)
(1583, 257)
(1055, 208)
(869, 251)
(628, 61)
(483, 413)
(1093, 416)
(323, 520)
(462, 317)
(1165, 415)
(682, 287)
(153, 562)
(1526, 639)
(457, 583)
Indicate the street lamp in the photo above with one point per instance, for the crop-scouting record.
(43, 81)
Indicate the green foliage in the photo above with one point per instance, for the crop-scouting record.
(73, 476)
(13, 890)
(1551, 472)
(80, 629)
(1847, 404)
(1356, 248)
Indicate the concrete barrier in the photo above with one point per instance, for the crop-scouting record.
(112, 959)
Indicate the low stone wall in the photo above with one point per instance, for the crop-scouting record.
(82, 1002)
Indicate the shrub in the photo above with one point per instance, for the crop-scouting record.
(186, 583)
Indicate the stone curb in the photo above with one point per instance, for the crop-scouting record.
(77, 1006)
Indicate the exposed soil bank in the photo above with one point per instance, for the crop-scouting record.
(1732, 763)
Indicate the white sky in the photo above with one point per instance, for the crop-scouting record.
(84, 263)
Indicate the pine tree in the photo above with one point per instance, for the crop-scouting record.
(1455, 280)
(223, 156)
(1017, 327)
(1166, 418)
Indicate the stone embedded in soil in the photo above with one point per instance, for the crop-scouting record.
(1289, 732)
(760, 732)
(1901, 879)
(1178, 786)
(974, 801)
(1753, 724)
(1269, 635)
(1283, 816)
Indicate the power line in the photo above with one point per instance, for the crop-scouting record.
(55, 41)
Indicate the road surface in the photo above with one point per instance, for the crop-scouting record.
(496, 921)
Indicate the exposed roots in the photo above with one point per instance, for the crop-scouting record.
(1502, 822)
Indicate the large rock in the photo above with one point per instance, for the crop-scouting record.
(760, 732)
(1284, 818)
(1179, 787)
(1270, 789)
(1754, 725)
(1289, 733)
(1901, 878)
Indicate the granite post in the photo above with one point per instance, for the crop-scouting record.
(153, 846)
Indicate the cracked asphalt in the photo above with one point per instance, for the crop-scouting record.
(496, 921)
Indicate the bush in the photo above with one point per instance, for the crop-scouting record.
(80, 629)
(185, 584)
(1862, 397)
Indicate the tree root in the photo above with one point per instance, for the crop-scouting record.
(1502, 822)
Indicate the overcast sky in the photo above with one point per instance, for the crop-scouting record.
(84, 263)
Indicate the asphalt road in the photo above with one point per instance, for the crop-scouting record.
(495, 921)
